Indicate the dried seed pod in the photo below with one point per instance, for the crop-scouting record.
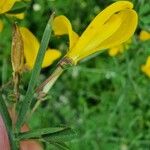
(17, 58)
(17, 51)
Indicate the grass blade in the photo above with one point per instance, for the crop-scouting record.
(35, 74)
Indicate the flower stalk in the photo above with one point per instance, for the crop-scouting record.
(43, 89)
(49, 82)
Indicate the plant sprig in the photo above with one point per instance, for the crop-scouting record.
(35, 74)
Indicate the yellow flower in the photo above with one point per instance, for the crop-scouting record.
(6, 5)
(119, 48)
(31, 46)
(19, 16)
(146, 68)
(144, 35)
(113, 26)
(115, 50)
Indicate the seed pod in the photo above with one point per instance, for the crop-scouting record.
(17, 54)
(17, 57)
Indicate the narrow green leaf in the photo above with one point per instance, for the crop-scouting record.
(39, 133)
(35, 74)
(60, 145)
(64, 135)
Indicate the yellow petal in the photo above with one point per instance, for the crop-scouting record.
(6, 5)
(115, 50)
(144, 35)
(61, 26)
(100, 20)
(113, 26)
(103, 33)
(125, 31)
(146, 68)
(19, 16)
(31, 47)
(50, 56)
(1, 26)
(148, 62)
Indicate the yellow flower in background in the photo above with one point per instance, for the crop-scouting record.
(31, 47)
(144, 35)
(115, 50)
(146, 68)
(19, 15)
(119, 48)
(6, 5)
(113, 26)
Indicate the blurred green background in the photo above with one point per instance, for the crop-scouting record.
(106, 99)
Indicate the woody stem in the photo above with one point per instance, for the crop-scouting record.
(16, 79)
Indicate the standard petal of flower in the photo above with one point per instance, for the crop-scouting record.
(61, 26)
(6, 5)
(50, 56)
(124, 32)
(105, 31)
(144, 35)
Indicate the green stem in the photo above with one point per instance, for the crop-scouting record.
(8, 123)
(49, 82)
(43, 89)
